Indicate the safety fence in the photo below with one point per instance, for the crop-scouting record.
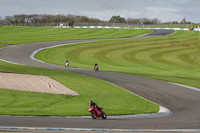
(139, 25)
(106, 24)
(34, 24)
(165, 28)
(98, 27)
(196, 29)
(110, 25)
(124, 27)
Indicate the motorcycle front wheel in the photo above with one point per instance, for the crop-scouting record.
(104, 116)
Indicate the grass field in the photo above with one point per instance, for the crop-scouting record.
(1, 46)
(112, 98)
(20, 34)
(173, 58)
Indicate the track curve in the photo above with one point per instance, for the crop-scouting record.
(183, 102)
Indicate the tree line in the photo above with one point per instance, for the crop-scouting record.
(70, 19)
(46, 18)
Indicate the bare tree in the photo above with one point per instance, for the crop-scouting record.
(184, 20)
(143, 21)
(47, 18)
(71, 19)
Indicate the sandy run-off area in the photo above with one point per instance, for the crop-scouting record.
(24, 82)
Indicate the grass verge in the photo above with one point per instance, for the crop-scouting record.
(21, 34)
(173, 58)
(114, 99)
(1, 46)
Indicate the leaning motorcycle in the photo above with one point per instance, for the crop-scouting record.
(95, 113)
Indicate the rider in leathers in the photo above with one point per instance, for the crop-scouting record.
(95, 105)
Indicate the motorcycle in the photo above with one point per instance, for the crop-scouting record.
(96, 68)
(95, 113)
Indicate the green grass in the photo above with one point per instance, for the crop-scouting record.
(174, 58)
(195, 25)
(1, 46)
(20, 34)
(115, 100)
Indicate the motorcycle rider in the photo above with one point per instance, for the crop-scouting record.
(67, 63)
(95, 105)
(95, 65)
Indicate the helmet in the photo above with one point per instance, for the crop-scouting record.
(90, 102)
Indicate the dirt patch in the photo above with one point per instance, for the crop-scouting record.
(33, 83)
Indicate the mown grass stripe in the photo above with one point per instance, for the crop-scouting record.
(42, 34)
(166, 58)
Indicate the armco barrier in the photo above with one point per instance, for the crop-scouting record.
(130, 27)
(96, 27)
(65, 26)
(164, 28)
(195, 29)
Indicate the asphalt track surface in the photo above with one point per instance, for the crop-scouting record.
(183, 102)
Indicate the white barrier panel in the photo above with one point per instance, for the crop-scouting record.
(96, 27)
(127, 28)
(196, 29)
(64, 26)
(164, 28)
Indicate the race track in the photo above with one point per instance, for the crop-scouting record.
(183, 102)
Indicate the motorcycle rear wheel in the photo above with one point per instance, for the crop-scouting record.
(94, 115)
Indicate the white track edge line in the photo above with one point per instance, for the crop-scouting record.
(96, 129)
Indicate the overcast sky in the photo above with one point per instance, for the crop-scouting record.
(164, 10)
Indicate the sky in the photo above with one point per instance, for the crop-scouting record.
(164, 10)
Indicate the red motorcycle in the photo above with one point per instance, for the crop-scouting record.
(95, 113)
